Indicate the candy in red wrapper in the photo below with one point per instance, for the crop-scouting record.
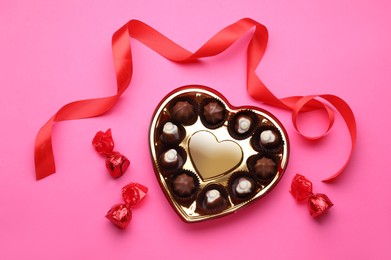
(133, 193)
(301, 187)
(117, 164)
(319, 204)
(120, 215)
(103, 142)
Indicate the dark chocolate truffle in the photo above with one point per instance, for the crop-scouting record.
(214, 112)
(269, 138)
(183, 112)
(265, 168)
(242, 124)
(170, 133)
(171, 160)
(184, 185)
(213, 199)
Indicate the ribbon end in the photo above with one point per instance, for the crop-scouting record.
(44, 165)
(43, 170)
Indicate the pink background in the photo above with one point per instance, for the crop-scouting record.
(53, 52)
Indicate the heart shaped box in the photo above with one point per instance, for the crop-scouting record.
(212, 156)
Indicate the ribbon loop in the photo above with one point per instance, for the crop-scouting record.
(122, 56)
(298, 108)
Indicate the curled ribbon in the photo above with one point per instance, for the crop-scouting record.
(122, 55)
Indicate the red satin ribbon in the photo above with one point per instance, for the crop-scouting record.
(122, 55)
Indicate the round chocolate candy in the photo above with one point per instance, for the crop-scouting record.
(170, 133)
(183, 112)
(269, 138)
(213, 199)
(171, 160)
(243, 186)
(242, 124)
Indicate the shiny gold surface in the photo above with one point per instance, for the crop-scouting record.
(211, 157)
(215, 158)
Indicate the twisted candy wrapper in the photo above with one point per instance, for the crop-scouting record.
(116, 163)
(121, 214)
(301, 189)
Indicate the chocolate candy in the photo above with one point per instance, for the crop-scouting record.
(207, 172)
(265, 168)
(170, 133)
(213, 199)
(243, 187)
(184, 185)
(243, 124)
(171, 159)
(183, 112)
(269, 138)
(213, 112)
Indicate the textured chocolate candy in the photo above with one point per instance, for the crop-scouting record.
(184, 185)
(183, 112)
(265, 168)
(214, 112)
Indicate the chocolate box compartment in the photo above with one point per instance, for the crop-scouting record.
(211, 168)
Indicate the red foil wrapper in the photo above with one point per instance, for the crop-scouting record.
(319, 204)
(120, 215)
(103, 142)
(301, 187)
(133, 193)
(117, 164)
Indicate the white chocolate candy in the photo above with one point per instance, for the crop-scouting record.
(170, 128)
(244, 125)
(244, 186)
(212, 195)
(268, 136)
(171, 155)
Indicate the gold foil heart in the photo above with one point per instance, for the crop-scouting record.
(212, 158)
(209, 164)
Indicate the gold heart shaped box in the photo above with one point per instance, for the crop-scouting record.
(214, 157)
